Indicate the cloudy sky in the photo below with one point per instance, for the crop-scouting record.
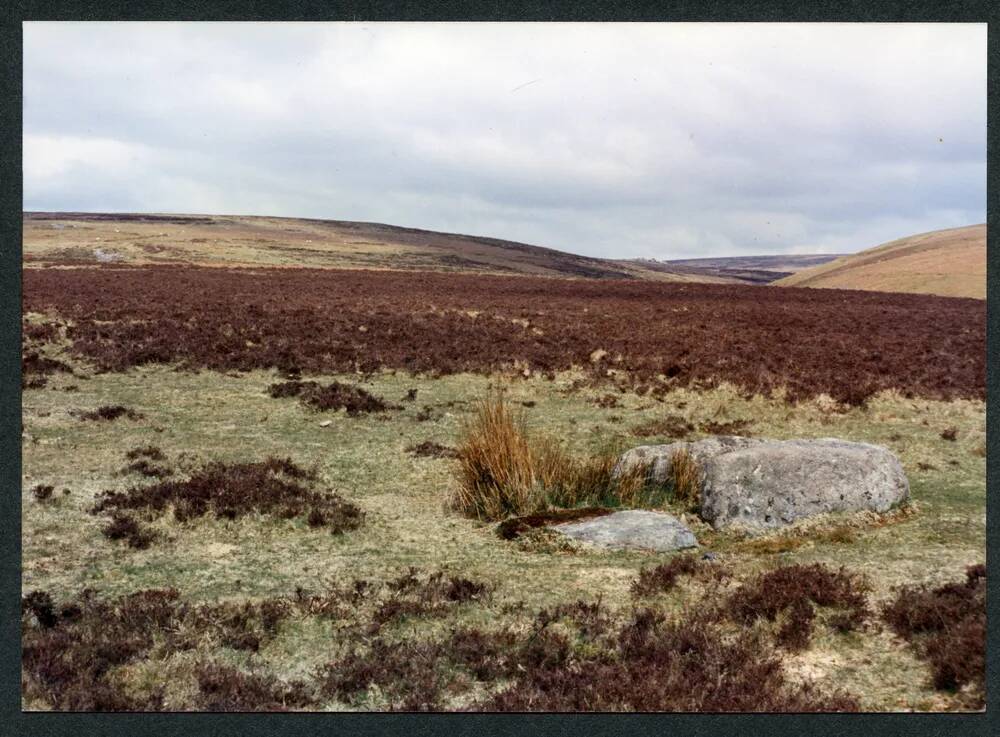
(615, 140)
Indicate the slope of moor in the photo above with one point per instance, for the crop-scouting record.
(950, 263)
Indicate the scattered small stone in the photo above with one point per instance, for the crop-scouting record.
(326, 423)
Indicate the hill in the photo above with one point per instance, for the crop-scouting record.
(236, 240)
(224, 240)
(751, 269)
(949, 263)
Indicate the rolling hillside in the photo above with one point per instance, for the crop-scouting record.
(222, 240)
(949, 263)
(751, 269)
(72, 238)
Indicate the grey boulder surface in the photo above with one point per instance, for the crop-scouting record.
(632, 528)
(759, 484)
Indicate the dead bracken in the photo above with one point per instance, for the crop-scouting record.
(36, 368)
(513, 528)
(792, 591)
(42, 492)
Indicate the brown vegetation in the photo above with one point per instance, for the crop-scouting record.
(430, 449)
(685, 479)
(333, 396)
(949, 262)
(947, 627)
(36, 368)
(42, 492)
(670, 426)
(110, 412)
(575, 656)
(514, 527)
(792, 591)
(806, 341)
(275, 487)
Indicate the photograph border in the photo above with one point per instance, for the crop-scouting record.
(412, 725)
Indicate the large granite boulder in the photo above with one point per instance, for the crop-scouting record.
(632, 528)
(762, 484)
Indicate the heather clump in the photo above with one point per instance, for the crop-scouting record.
(333, 396)
(791, 592)
(276, 487)
(946, 626)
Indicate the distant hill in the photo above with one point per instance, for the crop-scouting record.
(950, 263)
(753, 269)
(74, 238)
(224, 240)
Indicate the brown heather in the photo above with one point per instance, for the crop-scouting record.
(947, 627)
(847, 346)
(276, 487)
(791, 591)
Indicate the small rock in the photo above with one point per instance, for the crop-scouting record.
(634, 529)
(326, 423)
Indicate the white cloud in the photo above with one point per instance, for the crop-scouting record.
(608, 139)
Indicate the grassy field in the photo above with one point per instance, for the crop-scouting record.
(197, 417)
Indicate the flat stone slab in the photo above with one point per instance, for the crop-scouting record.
(632, 528)
(760, 484)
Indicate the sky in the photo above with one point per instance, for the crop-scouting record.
(611, 140)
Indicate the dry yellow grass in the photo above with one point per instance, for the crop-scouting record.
(237, 240)
(685, 475)
(949, 263)
(506, 470)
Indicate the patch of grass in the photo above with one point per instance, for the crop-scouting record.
(209, 416)
(150, 452)
(670, 426)
(685, 479)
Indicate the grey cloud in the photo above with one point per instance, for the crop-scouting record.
(611, 140)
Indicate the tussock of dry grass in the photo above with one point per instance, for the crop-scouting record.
(686, 477)
(506, 470)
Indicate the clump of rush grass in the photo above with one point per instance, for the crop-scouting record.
(506, 470)
(496, 463)
(685, 478)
